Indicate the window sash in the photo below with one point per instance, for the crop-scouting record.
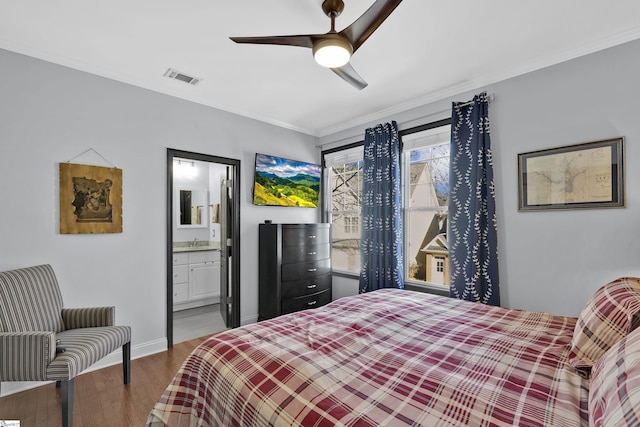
(344, 157)
(419, 214)
(344, 207)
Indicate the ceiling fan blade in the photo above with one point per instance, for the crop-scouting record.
(302, 40)
(349, 74)
(360, 30)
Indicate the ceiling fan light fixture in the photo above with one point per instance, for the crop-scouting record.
(332, 52)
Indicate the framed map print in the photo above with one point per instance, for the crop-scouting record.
(589, 175)
(90, 199)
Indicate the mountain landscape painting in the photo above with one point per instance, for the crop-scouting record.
(284, 182)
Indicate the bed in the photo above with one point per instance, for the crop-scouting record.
(400, 358)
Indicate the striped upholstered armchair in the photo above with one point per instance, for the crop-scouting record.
(42, 341)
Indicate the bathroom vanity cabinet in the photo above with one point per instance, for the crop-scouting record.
(196, 279)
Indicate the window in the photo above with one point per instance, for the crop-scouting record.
(351, 224)
(425, 169)
(343, 174)
(426, 197)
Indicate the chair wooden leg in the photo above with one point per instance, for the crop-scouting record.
(67, 403)
(126, 362)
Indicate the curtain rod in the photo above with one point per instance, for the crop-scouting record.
(490, 97)
(402, 125)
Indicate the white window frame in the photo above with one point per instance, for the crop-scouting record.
(350, 154)
(415, 139)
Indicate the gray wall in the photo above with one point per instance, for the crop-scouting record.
(553, 261)
(50, 114)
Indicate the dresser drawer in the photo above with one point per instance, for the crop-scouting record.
(305, 270)
(291, 254)
(307, 301)
(299, 288)
(311, 235)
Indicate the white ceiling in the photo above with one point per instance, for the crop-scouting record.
(425, 51)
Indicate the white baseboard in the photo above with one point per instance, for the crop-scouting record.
(115, 358)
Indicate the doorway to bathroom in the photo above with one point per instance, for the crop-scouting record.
(203, 247)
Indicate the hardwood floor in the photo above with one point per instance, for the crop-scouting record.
(101, 399)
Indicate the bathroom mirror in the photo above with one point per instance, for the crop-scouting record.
(191, 207)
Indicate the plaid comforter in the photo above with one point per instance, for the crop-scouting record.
(386, 358)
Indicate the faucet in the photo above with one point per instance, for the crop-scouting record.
(195, 242)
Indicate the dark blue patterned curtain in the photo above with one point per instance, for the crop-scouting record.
(381, 244)
(473, 246)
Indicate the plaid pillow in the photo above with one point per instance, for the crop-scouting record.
(607, 318)
(614, 394)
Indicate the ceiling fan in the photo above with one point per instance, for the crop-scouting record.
(333, 49)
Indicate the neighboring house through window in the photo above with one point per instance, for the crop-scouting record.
(425, 169)
(351, 224)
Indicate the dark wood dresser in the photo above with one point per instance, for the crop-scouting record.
(295, 268)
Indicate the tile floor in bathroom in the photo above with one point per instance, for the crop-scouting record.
(197, 322)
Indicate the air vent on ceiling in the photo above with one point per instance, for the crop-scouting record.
(175, 74)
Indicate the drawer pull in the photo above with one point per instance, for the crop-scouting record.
(312, 302)
(312, 236)
(311, 270)
(312, 286)
(312, 253)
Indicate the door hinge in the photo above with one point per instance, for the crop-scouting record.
(229, 300)
(229, 242)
